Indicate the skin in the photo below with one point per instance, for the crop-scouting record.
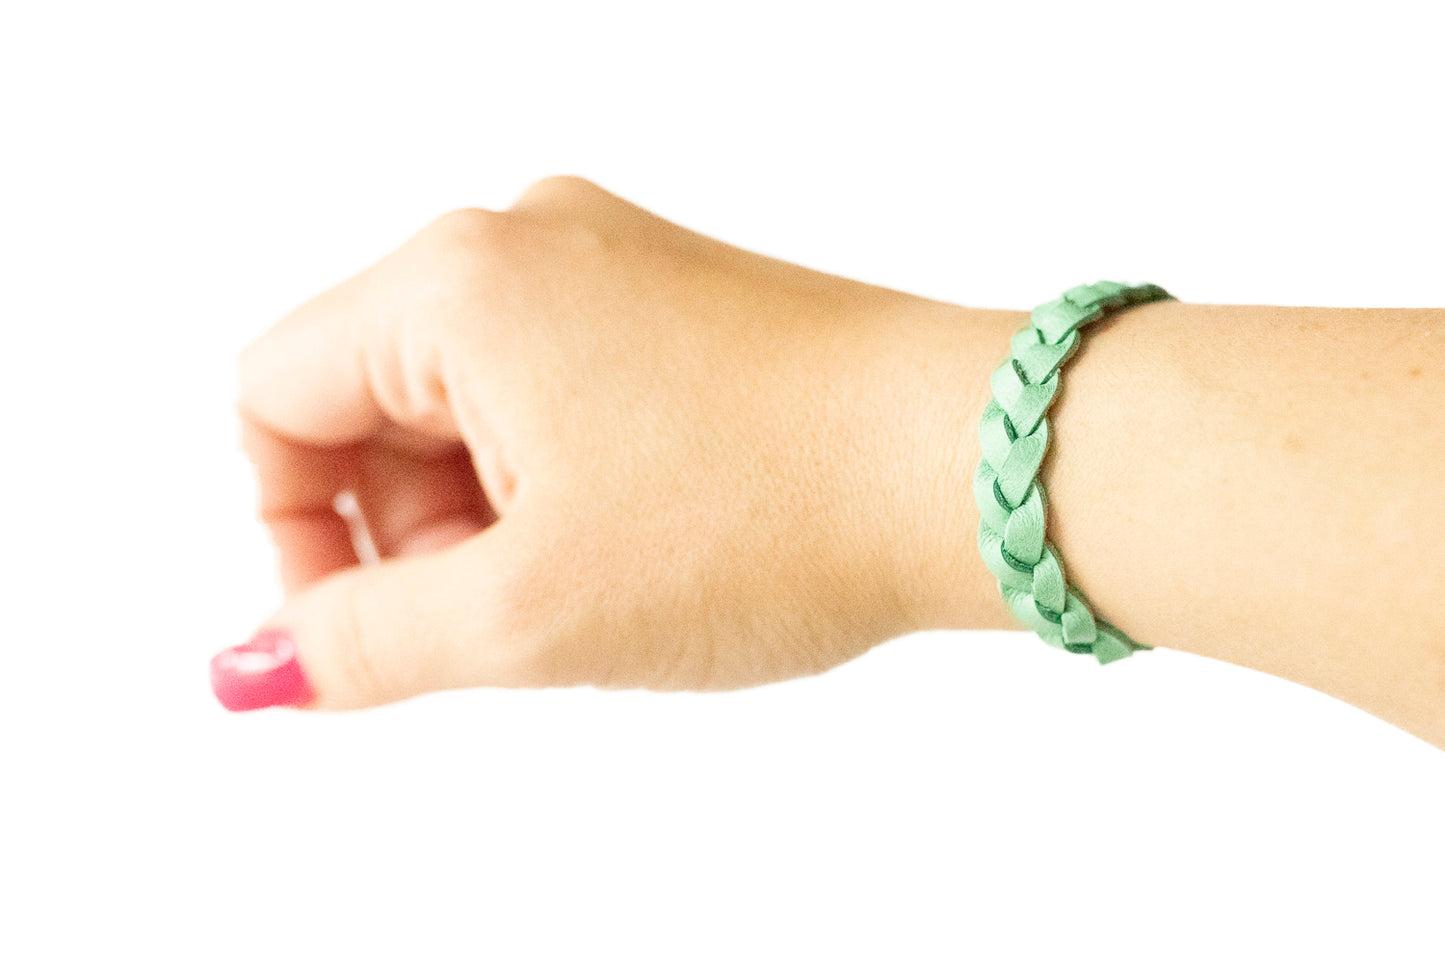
(592, 447)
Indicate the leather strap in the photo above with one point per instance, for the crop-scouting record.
(1015, 434)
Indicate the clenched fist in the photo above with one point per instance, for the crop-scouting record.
(590, 446)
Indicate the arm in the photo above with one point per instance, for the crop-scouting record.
(1260, 485)
(591, 447)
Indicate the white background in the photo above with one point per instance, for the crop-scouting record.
(177, 176)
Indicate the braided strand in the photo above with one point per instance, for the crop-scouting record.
(1012, 504)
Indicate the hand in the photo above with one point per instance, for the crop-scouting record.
(593, 447)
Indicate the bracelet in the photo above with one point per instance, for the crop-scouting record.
(1015, 434)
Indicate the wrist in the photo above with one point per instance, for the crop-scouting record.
(945, 354)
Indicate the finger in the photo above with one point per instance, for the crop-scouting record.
(412, 503)
(361, 358)
(298, 486)
(356, 364)
(372, 635)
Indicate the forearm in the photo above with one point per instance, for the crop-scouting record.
(1259, 485)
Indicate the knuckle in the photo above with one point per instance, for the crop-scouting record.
(470, 231)
(559, 187)
(469, 257)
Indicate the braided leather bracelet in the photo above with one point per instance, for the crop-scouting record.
(1011, 501)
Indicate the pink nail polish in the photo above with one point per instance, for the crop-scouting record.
(263, 672)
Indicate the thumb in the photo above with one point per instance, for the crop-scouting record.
(380, 633)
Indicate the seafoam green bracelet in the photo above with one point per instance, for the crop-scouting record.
(1011, 501)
